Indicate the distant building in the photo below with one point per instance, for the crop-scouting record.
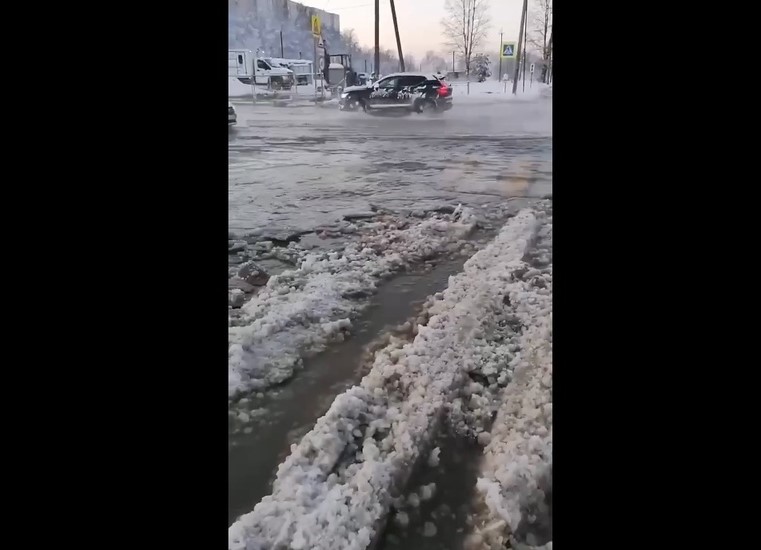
(256, 25)
(279, 10)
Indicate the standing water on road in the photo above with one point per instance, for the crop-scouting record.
(295, 168)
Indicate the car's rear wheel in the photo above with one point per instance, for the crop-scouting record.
(425, 106)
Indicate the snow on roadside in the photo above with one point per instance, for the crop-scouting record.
(302, 310)
(236, 89)
(492, 91)
(336, 485)
(517, 468)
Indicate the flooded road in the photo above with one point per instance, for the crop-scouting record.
(299, 167)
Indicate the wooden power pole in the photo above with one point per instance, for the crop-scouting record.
(520, 43)
(398, 40)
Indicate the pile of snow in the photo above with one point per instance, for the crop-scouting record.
(302, 310)
(517, 467)
(338, 482)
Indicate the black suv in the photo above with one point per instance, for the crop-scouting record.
(416, 92)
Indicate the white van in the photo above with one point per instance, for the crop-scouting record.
(244, 65)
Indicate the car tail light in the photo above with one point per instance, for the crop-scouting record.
(443, 90)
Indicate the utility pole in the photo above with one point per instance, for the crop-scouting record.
(281, 42)
(377, 39)
(452, 62)
(520, 42)
(549, 61)
(525, 32)
(398, 40)
(499, 75)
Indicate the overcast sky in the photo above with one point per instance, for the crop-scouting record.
(419, 22)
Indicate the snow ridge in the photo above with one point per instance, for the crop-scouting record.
(337, 483)
(302, 310)
(517, 467)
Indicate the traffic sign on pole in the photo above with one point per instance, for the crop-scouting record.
(532, 67)
(507, 50)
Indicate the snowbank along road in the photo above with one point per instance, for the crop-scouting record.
(339, 225)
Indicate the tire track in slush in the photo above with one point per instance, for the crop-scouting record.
(287, 414)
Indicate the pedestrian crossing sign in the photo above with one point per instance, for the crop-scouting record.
(508, 50)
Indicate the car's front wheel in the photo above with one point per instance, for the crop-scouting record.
(351, 104)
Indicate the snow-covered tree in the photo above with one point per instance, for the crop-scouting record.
(480, 66)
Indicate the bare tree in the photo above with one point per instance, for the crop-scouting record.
(350, 42)
(540, 32)
(465, 26)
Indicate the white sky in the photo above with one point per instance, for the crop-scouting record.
(419, 23)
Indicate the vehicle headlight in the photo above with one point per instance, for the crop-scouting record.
(344, 95)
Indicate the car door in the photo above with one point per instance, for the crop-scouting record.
(262, 72)
(381, 95)
(406, 90)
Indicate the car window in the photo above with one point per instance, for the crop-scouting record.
(411, 81)
(389, 82)
(262, 65)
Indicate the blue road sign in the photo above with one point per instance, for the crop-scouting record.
(508, 49)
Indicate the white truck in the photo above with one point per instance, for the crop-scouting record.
(246, 67)
(302, 68)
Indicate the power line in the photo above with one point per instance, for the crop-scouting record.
(348, 7)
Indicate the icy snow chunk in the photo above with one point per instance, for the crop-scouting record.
(413, 500)
(433, 458)
(427, 491)
(484, 438)
(402, 519)
(429, 529)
